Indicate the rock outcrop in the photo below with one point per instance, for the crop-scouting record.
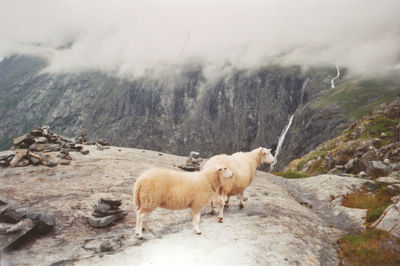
(284, 221)
(389, 221)
(364, 148)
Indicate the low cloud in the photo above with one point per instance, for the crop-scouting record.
(128, 37)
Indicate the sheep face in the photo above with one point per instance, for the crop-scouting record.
(266, 156)
(224, 172)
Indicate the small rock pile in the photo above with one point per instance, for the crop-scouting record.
(192, 163)
(40, 146)
(83, 138)
(105, 212)
(15, 223)
(102, 144)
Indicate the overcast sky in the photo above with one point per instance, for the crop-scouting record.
(127, 37)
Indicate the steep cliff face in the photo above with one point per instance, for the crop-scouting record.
(175, 111)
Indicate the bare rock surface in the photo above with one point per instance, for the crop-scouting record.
(389, 221)
(284, 222)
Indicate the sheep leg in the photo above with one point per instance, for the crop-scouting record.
(241, 200)
(227, 202)
(221, 209)
(196, 222)
(212, 211)
(139, 224)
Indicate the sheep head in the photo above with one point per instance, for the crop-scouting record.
(224, 172)
(221, 173)
(265, 156)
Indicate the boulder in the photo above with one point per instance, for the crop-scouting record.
(390, 180)
(45, 147)
(64, 162)
(5, 155)
(34, 160)
(378, 169)
(389, 220)
(395, 166)
(113, 202)
(391, 152)
(40, 140)
(44, 222)
(19, 154)
(37, 133)
(24, 139)
(23, 162)
(102, 142)
(396, 133)
(85, 152)
(48, 159)
(45, 131)
(15, 232)
(104, 221)
(354, 166)
(371, 154)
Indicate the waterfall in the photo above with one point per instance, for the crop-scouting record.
(280, 141)
(303, 88)
(335, 78)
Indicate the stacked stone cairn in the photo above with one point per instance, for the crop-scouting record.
(192, 163)
(40, 146)
(102, 144)
(105, 212)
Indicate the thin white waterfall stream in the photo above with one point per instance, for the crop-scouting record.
(280, 141)
(335, 78)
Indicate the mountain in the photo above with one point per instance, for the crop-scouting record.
(185, 108)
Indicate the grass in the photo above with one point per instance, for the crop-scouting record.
(292, 174)
(375, 202)
(359, 97)
(380, 125)
(369, 248)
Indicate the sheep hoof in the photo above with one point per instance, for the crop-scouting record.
(212, 211)
(241, 205)
(226, 205)
(220, 219)
(198, 232)
(139, 236)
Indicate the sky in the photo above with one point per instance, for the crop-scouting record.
(129, 37)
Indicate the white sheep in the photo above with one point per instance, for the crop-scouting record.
(243, 166)
(175, 190)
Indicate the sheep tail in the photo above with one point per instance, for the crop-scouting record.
(137, 195)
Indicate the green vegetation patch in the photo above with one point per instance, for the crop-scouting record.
(373, 247)
(375, 201)
(292, 174)
(358, 97)
(376, 127)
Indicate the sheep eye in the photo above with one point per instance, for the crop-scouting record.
(224, 168)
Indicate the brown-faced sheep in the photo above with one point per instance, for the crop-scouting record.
(175, 190)
(243, 166)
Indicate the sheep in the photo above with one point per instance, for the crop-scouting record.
(175, 190)
(243, 166)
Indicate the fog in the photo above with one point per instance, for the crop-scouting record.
(128, 37)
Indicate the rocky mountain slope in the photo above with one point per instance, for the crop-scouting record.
(284, 221)
(185, 109)
(370, 147)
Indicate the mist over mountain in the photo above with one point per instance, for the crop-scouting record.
(210, 76)
(130, 37)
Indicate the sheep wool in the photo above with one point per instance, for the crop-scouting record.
(177, 190)
(243, 166)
